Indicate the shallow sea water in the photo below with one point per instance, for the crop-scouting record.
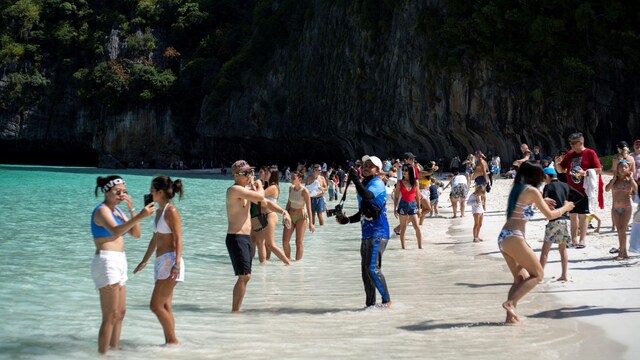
(446, 298)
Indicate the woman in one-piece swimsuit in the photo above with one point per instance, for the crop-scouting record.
(522, 261)
(167, 244)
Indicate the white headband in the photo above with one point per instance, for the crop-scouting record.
(113, 183)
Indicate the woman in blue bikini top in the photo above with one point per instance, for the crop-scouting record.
(108, 224)
(522, 261)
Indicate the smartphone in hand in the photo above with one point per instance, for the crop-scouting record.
(148, 199)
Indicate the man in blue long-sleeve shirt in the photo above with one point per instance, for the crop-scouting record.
(372, 216)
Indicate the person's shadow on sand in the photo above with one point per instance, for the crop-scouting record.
(581, 311)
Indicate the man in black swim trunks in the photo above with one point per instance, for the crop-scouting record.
(239, 199)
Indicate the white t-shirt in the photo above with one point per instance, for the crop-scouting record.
(637, 158)
(457, 180)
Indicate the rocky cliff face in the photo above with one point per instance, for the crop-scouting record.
(336, 92)
(343, 92)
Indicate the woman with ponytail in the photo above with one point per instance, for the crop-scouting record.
(167, 243)
(109, 266)
(522, 261)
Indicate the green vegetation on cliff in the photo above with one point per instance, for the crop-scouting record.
(551, 47)
(120, 53)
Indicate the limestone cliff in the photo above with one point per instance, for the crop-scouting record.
(334, 90)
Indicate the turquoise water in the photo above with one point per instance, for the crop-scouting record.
(48, 304)
(445, 302)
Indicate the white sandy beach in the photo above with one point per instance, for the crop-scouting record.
(596, 313)
(602, 293)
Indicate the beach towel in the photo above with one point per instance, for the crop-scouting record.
(594, 188)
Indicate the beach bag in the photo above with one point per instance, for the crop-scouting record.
(260, 221)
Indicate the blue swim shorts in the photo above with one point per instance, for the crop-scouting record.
(317, 204)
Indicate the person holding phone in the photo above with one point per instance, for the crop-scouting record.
(109, 266)
(238, 240)
(167, 243)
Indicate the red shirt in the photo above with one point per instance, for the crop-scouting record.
(587, 159)
(407, 195)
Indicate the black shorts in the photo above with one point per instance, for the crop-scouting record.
(581, 206)
(239, 247)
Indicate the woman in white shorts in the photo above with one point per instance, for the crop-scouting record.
(167, 243)
(109, 266)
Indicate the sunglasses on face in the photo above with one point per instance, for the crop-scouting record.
(120, 192)
(247, 173)
(574, 142)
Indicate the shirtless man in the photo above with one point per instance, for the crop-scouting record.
(480, 169)
(526, 155)
(317, 186)
(239, 199)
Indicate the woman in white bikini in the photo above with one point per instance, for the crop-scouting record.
(167, 243)
(299, 206)
(109, 266)
(522, 261)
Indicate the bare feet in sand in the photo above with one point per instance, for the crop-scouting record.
(512, 317)
(562, 278)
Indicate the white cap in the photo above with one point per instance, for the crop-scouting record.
(374, 159)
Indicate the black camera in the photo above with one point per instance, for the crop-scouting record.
(337, 211)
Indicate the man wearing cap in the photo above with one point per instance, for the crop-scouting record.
(576, 164)
(239, 199)
(372, 216)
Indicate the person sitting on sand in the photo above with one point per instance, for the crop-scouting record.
(522, 261)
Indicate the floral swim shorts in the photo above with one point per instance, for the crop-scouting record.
(557, 231)
(459, 192)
